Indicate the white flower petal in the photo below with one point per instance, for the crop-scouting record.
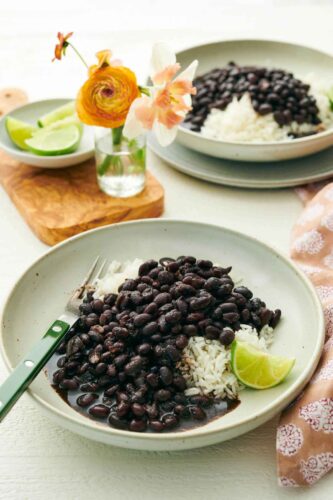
(164, 135)
(189, 72)
(162, 56)
(133, 127)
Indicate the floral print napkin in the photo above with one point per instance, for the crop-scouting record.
(305, 433)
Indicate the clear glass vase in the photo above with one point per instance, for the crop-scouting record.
(120, 162)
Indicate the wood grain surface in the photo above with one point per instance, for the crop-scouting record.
(60, 203)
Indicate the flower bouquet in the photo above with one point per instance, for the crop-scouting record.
(124, 111)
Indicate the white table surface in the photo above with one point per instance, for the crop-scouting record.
(39, 460)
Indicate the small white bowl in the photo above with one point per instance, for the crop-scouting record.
(40, 294)
(30, 113)
(298, 59)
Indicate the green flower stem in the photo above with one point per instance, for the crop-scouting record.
(78, 54)
(117, 135)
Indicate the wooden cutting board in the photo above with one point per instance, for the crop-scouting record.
(60, 203)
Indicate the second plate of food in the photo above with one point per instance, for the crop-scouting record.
(149, 365)
(259, 100)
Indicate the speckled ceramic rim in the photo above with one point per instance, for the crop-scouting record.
(269, 411)
(267, 144)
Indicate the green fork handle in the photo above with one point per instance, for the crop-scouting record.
(25, 372)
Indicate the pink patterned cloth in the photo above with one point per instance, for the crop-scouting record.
(305, 434)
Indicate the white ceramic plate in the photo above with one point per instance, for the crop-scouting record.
(244, 174)
(296, 58)
(41, 292)
(30, 113)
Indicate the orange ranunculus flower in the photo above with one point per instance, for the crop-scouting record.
(105, 98)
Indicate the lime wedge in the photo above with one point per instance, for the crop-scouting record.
(258, 369)
(69, 120)
(60, 141)
(19, 131)
(57, 114)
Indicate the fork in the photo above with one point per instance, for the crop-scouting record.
(25, 372)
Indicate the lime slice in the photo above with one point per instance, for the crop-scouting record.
(57, 114)
(258, 369)
(19, 131)
(60, 141)
(69, 120)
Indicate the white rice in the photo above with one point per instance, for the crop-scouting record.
(239, 121)
(116, 274)
(205, 363)
(206, 366)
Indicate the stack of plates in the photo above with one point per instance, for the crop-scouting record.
(254, 165)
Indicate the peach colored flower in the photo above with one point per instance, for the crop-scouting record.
(169, 100)
(60, 48)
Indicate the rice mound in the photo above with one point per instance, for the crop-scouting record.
(206, 365)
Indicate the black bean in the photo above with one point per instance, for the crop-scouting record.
(227, 336)
(142, 319)
(181, 341)
(173, 316)
(199, 303)
(146, 267)
(179, 382)
(212, 284)
(123, 408)
(59, 375)
(162, 298)
(190, 330)
(101, 368)
(165, 278)
(134, 365)
(99, 411)
(152, 379)
(137, 425)
(86, 399)
(138, 409)
(173, 353)
(276, 318)
(111, 390)
(166, 375)
(117, 422)
(89, 387)
(69, 384)
(212, 333)
(228, 307)
(92, 319)
(197, 413)
(120, 360)
(162, 395)
(150, 328)
(156, 425)
(230, 317)
(170, 421)
(151, 308)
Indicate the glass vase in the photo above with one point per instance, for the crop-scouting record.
(120, 162)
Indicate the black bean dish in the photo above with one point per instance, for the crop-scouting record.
(271, 91)
(120, 363)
